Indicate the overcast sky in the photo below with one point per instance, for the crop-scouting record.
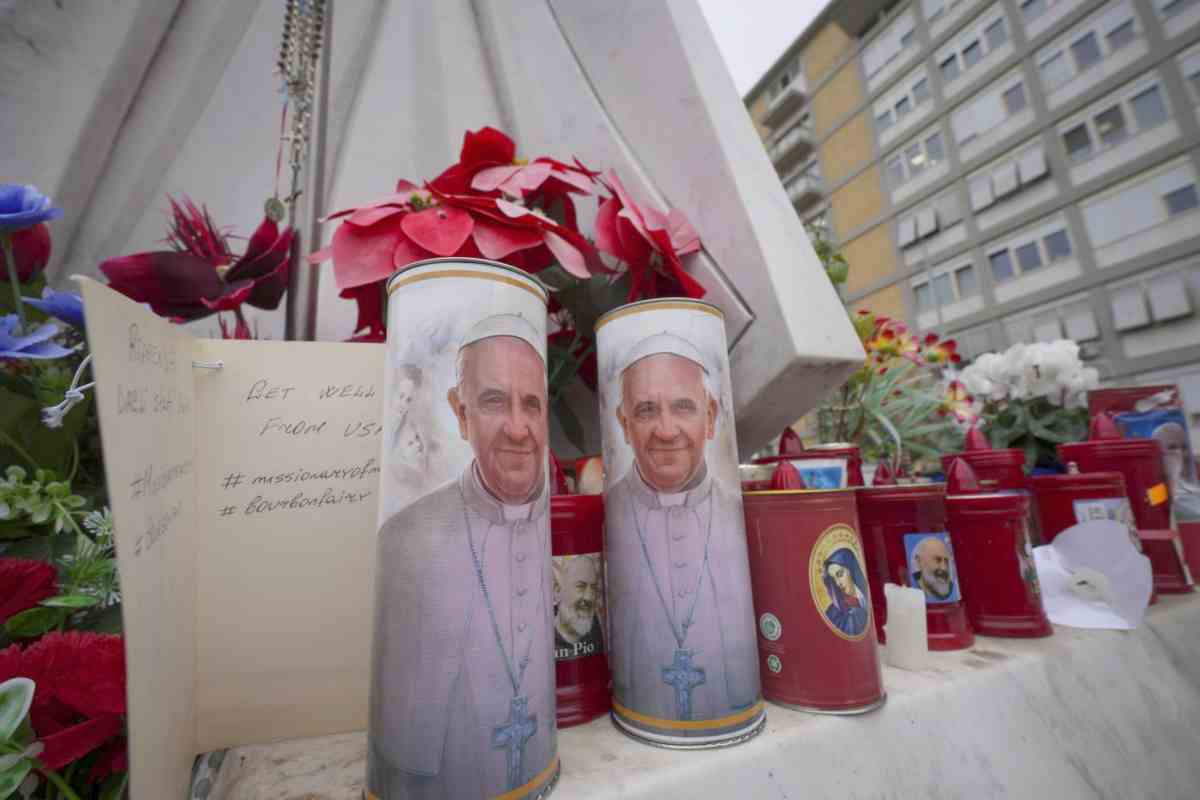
(753, 33)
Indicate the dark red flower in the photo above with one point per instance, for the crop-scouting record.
(370, 299)
(79, 703)
(486, 147)
(649, 242)
(196, 278)
(31, 252)
(23, 584)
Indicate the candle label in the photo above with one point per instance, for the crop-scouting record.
(931, 568)
(579, 609)
(839, 582)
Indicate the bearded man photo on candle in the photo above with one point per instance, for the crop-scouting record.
(933, 569)
(578, 591)
(681, 619)
(463, 695)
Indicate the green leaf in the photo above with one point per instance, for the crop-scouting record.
(16, 695)
(70, 601)
(33, 622)
(107, 620)
(12, 778)
(39, 548)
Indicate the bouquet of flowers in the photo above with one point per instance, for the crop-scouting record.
(903, 400)
(62, 668)
(1034, 396)
(493, 204)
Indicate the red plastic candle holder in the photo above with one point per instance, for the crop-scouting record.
(995, 556)
(816, 638)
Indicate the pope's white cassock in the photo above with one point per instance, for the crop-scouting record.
(677, 529)
(441, 689)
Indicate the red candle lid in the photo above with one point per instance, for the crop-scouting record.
(1103, 427)
(975, 440)
(789, 443)
(966, 493)
(961, 478)
(786, 476)
(1104, 438)
(883, 475)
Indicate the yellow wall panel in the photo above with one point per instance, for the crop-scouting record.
(837, 98)
(823, 52)
(889, 302)
(870, 257)
(846, 149)
(857, 203)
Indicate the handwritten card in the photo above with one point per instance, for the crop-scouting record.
(245, 501)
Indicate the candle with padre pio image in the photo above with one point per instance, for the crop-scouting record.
(682, 645)
(462, 682)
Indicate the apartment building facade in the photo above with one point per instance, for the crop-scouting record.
(1006, 170)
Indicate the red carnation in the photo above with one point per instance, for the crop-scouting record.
(24, 584)
(79, 703)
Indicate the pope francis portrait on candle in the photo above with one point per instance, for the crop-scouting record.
(462, 696)
(682, 622)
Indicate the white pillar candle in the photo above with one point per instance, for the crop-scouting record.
(907, 646)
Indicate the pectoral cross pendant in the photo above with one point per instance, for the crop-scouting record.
(513, 734)
(683, 676)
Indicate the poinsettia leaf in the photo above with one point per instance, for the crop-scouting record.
(33, 622)
(16, 696)
(70, 601)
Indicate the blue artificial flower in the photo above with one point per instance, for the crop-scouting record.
(60, 305)
(23, 206)
(35, 344)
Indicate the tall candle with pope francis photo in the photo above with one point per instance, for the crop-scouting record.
(462, 672)
(682, 646)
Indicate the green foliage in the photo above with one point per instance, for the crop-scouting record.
(1036, 426)
(17, 753)
(836, 266)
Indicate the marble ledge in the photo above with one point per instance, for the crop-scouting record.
(1108, 714)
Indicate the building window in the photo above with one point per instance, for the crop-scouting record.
(924, 296)
(1002, 266)
(884, 121)
(889, 45)
(950, 69)
(1028, 257)
(996, 34)
(1055, 71)
(1014, 99)
(1078, 142)
(1120, 119)
(1107, 31)
(903, 107)
(1110, 124)
(1121, 35)
(968, 284)
(972, 54)
(943, 290)
(1032, 9)
(1173, 7)
(920, 91)
(935, 149)
(895, 169)
(914, 159)
(1058, 246)
(1149, 108)
(1086, 51)
(1181, 200)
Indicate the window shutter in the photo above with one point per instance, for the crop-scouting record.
(1168, 297)
(1081, 323)
(981, 193)
(926, 222)
(1004, 180)
(908, 231)
(1129, 308)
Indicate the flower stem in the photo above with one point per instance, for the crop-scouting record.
(6, 439)
(13, 277)
(60, 784)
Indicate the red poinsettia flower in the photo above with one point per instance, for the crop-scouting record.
(370, 300)
(649, 241)
(937, 352)
(79, 703)
(200, 275)
(23, 584)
